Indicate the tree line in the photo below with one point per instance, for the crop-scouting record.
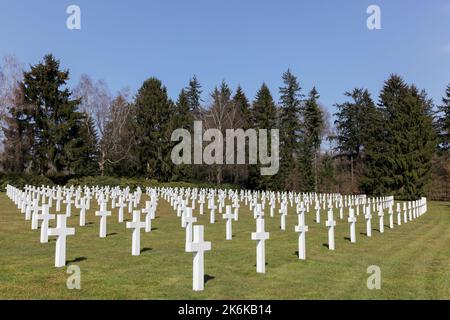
(396, 145)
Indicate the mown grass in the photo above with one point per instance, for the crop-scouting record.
(414, 260)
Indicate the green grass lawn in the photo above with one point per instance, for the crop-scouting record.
(414, 260)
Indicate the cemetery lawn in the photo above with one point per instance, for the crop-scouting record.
(414, 259)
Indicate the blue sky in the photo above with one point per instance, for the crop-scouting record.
(325, 42)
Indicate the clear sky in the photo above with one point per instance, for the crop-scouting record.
(325, 42)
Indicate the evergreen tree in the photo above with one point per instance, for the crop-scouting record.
(444, 122)
(193, 95)
(87, 151)
(402, 159)
(241, 110)
(263, 116)
(312, 139)
(183, 119)
(353, 121)
(154, 111)
(290, 129)
(56, 119)
(327, 174)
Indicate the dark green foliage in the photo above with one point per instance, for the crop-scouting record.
(241, 110)
(86, 151)
(356, 123)
(183, 119)
(154, 112)
(327, 174)
(313, 123)
(290, 128)
(57, 143)
(20, 180)
(444, 122)
(263, 116)
(193, 95)
(399, 159)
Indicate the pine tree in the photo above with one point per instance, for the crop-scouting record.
(353, 120)
(193, 95)
(402, 159)
(154, 111)
(444, 122)
(290, 129)
(241, 110)
(87, 151)
(56, 119)
(263, 116)
(264, 110)
(312, 140)
(183, 119)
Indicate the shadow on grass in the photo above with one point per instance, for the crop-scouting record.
(146, 249)
(326, 245)
(208, 278)
(112, 234)
(79, 259)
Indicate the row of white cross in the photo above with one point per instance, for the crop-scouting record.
(185, 200)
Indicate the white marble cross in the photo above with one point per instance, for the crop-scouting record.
(34, 217)
(261, 236)
(213, 207)
(103, 214)
(68, 203)
(188, 223)
(399, 214)
(82, 206)
(352, 221)
(301, 228)
(330, 224)
(368, 217)
(283, 211)
(198, 246)
(391, 217)
(229, 217)
(317, 207)
(61, 231)
(236, 210)
(137, 225)
(148, 210)
(405, 217)
(58, 199)
(381, 218)
(45, 217)
(121, 206)
(201, 204)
